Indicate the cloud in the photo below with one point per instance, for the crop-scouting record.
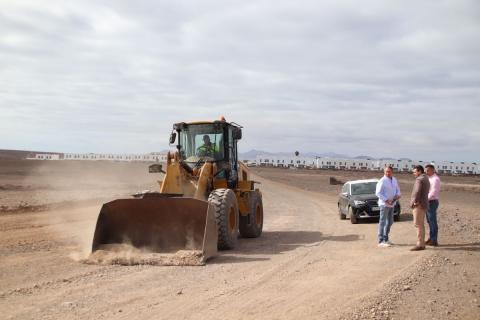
(377, 78)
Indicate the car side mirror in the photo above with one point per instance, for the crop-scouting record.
(155, 168)
(173, 136)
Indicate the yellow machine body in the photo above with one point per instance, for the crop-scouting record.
(184, 215)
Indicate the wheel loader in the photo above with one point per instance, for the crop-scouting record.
(206, 198)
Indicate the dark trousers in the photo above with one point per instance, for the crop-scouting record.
(432, 219)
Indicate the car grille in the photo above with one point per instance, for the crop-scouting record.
(371, 204)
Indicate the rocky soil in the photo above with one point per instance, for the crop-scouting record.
(443, 284)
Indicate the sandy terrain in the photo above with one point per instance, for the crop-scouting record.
(308, 264)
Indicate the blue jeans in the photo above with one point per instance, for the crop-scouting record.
(432, 219)
(384, 223)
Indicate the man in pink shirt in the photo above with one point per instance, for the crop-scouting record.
(432, 204)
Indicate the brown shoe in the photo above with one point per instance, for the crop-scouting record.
(428, 242)
(434, 244)
(417, 248)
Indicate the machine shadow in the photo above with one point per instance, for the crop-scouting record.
(276, 242)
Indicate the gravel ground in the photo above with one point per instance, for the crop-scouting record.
(308, 264)
(445, 282)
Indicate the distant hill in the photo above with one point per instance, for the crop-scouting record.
(363, 157)
(327, 155)
(252, 154)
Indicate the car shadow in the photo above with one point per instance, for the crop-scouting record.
(367, 220)
(277, 242)
(403, 217)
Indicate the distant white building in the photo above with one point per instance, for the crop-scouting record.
(284, 162)
(465, 168)
(265, 161)
(46, 156)
(150, 157)
(401, 165)
(333, 163)
(444, 167)
(405, 165)
(281, 162)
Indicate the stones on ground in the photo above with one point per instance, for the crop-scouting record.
(69, 304)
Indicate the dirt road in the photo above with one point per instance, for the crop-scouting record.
(307, 265)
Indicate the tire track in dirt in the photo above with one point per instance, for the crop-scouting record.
(55, 284)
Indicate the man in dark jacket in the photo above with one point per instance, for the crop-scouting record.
(419, 204)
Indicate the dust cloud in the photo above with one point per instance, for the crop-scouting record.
(74, 191)
(127, 255)
(71, 194)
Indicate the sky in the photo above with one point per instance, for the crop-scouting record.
(378, 78)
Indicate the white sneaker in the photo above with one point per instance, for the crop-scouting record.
(383, 245)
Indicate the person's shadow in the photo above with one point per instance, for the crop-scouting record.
(407, 216)
(473, 247)
(277, 242)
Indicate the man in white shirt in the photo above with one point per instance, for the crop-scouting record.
(388, 192)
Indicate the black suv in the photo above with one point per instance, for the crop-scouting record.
(358, 200)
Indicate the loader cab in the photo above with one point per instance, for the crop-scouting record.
(215, 141)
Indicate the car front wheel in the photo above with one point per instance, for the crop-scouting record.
(396, 217)
(353, 217)
(341, 214)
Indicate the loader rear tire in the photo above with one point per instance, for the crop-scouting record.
(251, 225)
(226, 215)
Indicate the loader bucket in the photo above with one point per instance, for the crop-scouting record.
(158, 225)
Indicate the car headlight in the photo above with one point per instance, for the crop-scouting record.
(358, 202)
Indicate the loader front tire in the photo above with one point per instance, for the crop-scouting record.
(251, 225)
(226, 215)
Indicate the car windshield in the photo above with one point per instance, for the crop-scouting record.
(364, 188)
(201, 142)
